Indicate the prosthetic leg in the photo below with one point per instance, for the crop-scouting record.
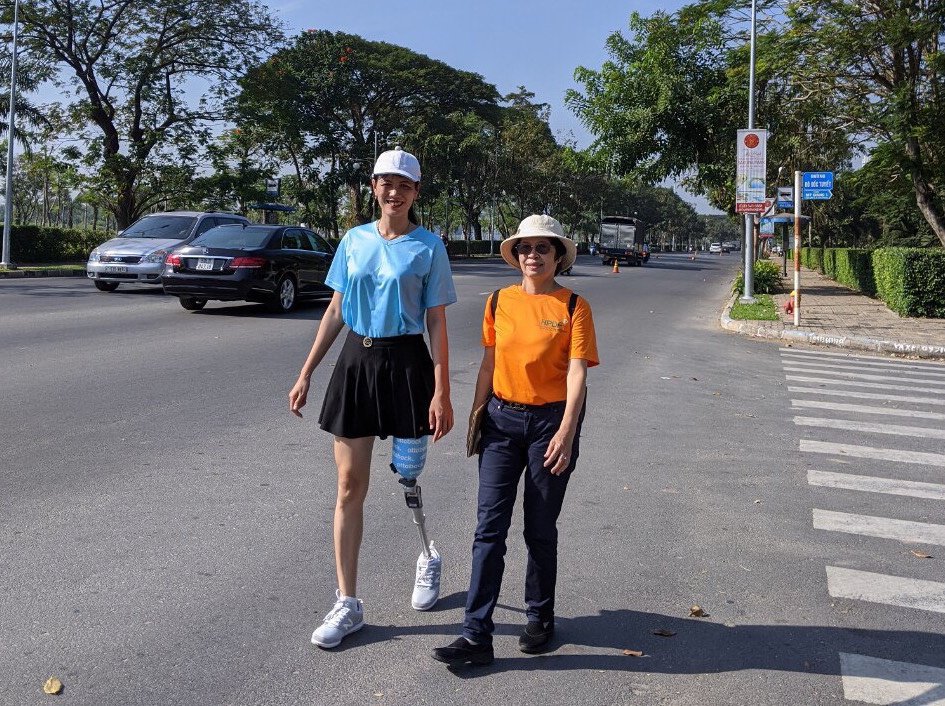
(408, 459)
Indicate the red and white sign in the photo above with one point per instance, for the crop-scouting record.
(751, 165)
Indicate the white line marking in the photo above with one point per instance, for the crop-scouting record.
(871, 427)
(823, 447)
(871, 484)
(818, 370)
(936, 369)
(856, 383)
(879, 359)
(818, 367)
(866, 409)
(891, 590)
(867, 395)
(885, 527)
(883, 681)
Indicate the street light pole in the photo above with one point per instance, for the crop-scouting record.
(8, 199)
(748, 295)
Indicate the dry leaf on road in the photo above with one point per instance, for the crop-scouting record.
(633, 653)
(663, 632)
(52, 686)
(920, 555)
(696, 611)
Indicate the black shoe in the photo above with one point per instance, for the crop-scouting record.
(462, 651)
(536, 636)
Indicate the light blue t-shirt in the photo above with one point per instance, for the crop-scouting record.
(387, 285)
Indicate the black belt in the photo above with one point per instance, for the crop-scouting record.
(528, 407)
(370, 342)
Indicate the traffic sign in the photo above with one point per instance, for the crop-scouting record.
(785, 197)
(816, 186)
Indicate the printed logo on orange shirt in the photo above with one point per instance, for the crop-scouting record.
(553, 325)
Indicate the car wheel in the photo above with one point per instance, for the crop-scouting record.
(284, 298)
(105, 286)
(192, 304)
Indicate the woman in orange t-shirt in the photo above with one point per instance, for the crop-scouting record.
(539, 341)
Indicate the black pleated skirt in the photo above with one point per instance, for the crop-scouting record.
(380, 390)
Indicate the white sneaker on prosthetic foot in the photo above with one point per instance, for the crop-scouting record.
(426, 589)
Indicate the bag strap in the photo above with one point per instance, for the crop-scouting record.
(572, 303)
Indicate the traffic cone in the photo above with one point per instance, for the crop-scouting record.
(616, 267)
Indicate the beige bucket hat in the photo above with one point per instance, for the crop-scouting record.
(539, 226)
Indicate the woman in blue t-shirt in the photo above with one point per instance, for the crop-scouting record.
(391, 278)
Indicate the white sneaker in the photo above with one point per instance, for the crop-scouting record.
(346, 617)
(426, 589)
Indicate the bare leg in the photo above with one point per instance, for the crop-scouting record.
(353, 458)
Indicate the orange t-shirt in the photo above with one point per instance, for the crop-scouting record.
(534, 342)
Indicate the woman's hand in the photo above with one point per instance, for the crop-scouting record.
(298, 396)
(441, 415)
(558, 453)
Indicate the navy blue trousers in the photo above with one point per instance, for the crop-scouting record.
(513, 441)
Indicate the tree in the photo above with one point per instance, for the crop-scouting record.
(130, 61)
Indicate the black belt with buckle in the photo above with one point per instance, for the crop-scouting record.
(370, 341)
(519, 407)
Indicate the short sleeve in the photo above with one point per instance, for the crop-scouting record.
(583, 336)
(438, 287)
(488, 324)
(337, 277)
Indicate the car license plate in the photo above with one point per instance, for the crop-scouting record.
(117, 269)
(204, 263)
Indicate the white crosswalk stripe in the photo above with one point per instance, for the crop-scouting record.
(880, 588)
(872, 427)
(902, 530)
(871, 484)
(851, 395)
(883, 681)
(867, 409)
(858, 383)
(867, 395)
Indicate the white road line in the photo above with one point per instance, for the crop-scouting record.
(871, 427)
(857, 383)
(818, 370)
(871, 484)
(866, 409)
(867, 395)
(883, 681)
(936, 369)
(824, 447)
(885, 527)
(878, 359)
(817, 366)
(890, 590)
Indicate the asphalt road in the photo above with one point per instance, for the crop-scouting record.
(165, 523)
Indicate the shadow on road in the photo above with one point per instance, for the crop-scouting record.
(243, 310)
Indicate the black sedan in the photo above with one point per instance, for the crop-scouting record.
(275, 265)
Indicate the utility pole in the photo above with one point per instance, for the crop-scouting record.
(8, 200)
(749, 276)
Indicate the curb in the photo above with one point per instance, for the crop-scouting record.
(29, 274)
(776, 330)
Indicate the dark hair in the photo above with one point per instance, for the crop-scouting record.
(560, 252)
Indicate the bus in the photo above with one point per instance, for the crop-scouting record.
(622, 238)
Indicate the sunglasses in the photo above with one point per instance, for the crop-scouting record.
(526, 249)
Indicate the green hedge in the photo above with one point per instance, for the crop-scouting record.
(766, 276)
(813, 258)
(911, 281)
(852, 267)
(42, 245)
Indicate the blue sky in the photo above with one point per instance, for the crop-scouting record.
(510, 43)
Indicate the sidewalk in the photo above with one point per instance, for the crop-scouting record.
(832, 315)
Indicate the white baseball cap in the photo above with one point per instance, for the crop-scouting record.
(396, 161)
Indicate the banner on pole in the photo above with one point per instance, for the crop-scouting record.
(751, 165)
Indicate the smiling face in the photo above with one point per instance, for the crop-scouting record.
(537, 257)
(395, 194)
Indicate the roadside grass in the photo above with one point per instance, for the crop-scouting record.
(73, 266)
(763, 309)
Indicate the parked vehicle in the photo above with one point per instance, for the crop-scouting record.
(275, 265)
(621, 238)
(137, 254)
(715, 247)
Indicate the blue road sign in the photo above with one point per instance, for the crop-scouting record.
(816, 186)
